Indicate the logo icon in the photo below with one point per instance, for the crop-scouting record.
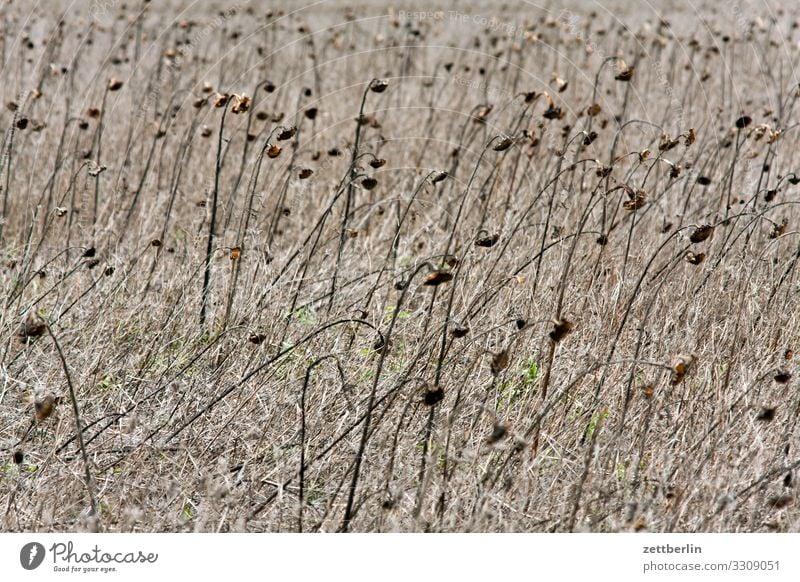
(31, 555)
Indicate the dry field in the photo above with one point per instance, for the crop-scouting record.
(349, 267)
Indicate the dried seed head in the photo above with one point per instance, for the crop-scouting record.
(287, 133)
(561, 327)
(114, 85)
(221, 99)
(767, 414)
(743, 121)
(625, 73)
(667, 143)
(499, 432)
(680, 368)
(504, 143)
(236, 253)
(636, 201)
(435, 278)
(499, 362)
(377, 163)
(273, 151)
(241, 104)
(433, 394)
(552, 112)
(257, 338)
(694, 258)
(369, 183)
(44, 408)
(305, 173)
(378, 85)
(701, 233)
(782, 376)
(487, 241)
(459, 331)
(779, 229)
(33, 326)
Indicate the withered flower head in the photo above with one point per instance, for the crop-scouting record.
(504, 143)
(435, 278)
(44, 408)
(499, 362)
(782, 376)
(487, 241)
(378, 85)
(552, 112)
(625, 73)
(695, 258)
(701, 233)
(33, 326)
(287, 133)
(637, 200)
(499, 432)
(221, 99)
(114, 85)
(459, 331)
(433, 394)
(241, 104)
(439, 177)
(680, 368)
(561, 327)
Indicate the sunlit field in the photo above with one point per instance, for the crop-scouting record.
(376, 268)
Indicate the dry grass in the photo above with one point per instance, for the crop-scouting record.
(512, 302)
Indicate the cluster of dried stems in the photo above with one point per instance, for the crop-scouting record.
(317, 271)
